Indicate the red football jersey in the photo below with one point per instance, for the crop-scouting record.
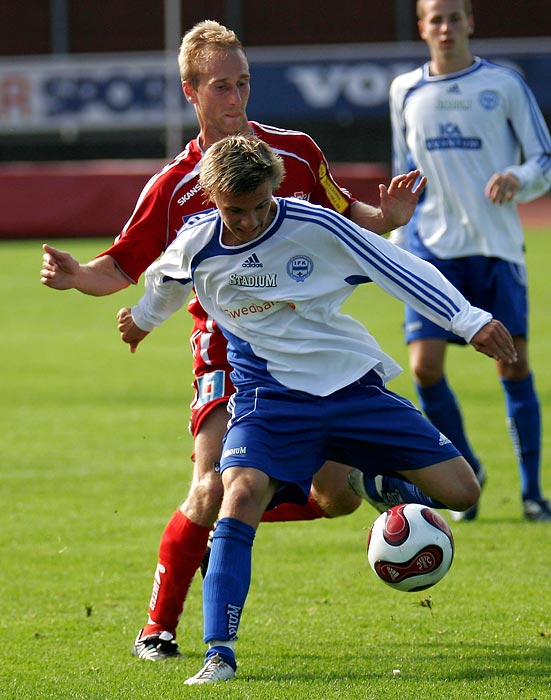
(174, 194)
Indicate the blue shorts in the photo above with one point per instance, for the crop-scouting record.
(495, 285)
(290, 434)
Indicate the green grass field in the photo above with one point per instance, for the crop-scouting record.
(95, 458)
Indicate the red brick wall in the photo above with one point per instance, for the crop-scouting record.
(124, 25)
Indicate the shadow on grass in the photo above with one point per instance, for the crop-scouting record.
(508, 665)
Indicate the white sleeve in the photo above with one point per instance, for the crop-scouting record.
(420, 285)
(533, 137)
(432, 295)
(166, 291)
(399, 238)
(400, 151)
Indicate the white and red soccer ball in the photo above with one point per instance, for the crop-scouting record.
(410, 547)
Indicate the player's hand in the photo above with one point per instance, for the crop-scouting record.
(494, 340)
(59, 269)
(502, 187)
(399, 200)
(130, 332)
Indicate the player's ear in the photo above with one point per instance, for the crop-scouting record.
(189, 92)
(421, 29)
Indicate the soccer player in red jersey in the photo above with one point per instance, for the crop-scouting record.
(216, 81)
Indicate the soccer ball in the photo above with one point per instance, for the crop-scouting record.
(410, 547)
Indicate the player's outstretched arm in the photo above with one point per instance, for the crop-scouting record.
(130, 332)
(494, 340)
(397, 204)
(99, 277)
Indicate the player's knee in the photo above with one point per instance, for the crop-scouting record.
(209, 487)
(426, 375)
(335, 500)
(343, 504)
(204, 498)
(465, 496)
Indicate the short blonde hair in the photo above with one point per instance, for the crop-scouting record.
(239, 164)
(467, 6)
(198, 41)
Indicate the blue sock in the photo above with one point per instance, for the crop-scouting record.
(524, 423)
(226, 653)
(393, 490)
(227, 582)
(442, 409)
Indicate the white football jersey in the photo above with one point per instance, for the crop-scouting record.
(459, 130)
(277, 299)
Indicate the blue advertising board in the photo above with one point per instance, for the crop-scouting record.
(358, 89)
(129, 91)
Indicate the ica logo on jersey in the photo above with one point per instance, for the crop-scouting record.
(450, 137)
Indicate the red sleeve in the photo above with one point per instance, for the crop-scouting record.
(145, 235)
(328, 193)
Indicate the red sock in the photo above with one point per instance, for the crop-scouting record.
(285, 512)
(181, 550)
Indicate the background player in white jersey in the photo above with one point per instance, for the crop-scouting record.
(475, 130)
(215, 80)
(310, 381)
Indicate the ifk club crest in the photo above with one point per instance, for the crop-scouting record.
(300, 267)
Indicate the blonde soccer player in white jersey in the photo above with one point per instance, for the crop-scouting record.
(310, 381)
(474, 130)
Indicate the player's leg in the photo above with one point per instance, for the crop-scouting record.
(331, 490)
(247, 492)
(451, 482)
(508, 301)
(331, 496)
(183, 544)
(278, 430)
(437, 400)
(524, 424)
(184, 540)
(385, 435)
(383, 491)
(427, 351)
